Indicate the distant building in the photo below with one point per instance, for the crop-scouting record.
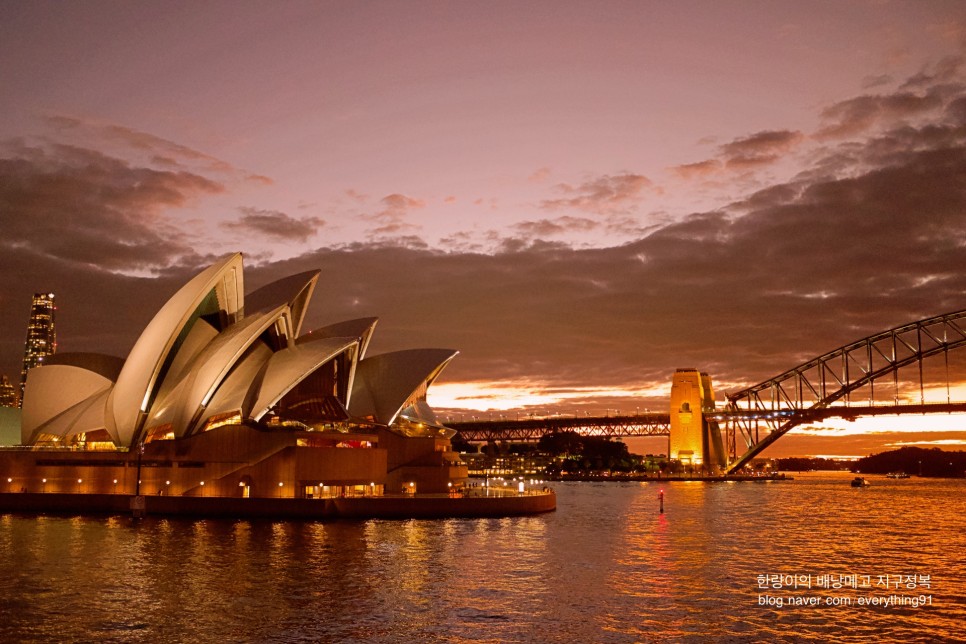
(8, 393)
(41, 335)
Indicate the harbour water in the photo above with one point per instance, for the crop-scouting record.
(806, 560)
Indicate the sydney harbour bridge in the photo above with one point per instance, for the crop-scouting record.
(900, 371)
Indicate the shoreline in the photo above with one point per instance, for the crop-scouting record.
(664, 479)
(367, 507)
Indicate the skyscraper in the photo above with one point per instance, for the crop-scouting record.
(41, 336)
(8, 393)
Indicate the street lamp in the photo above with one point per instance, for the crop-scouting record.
(280, 489)
(202, 488)
(44, 488)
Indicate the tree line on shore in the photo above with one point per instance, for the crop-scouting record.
(576, 453)
(810, 464)
(915, 461)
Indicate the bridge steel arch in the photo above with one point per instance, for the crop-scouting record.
(817, 388)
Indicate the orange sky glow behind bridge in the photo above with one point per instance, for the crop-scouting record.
(833, 438)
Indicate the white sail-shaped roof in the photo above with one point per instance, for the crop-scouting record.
(217, 292)
(385, 383)
(61, 392)
(289, 367)
(84, 417)
(236, 394)
(184, 408)
(198, 334)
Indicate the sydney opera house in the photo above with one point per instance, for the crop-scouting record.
(223, 396)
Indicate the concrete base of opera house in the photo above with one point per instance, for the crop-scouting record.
(368, 507)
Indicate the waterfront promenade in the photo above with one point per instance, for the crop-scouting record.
(491, 502)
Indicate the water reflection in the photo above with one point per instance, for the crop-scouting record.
(606, 567)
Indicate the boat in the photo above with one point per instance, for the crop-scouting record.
(897, 475)
(858, 481)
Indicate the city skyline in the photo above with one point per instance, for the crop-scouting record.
(582, 196)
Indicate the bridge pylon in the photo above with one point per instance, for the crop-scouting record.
(695, 439)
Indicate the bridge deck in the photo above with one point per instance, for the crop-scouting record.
(659, 424)
(532, 429)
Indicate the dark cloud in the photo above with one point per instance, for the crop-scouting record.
(606, 194)
(467, 242)
(876, 81)
(803, 270)
(84, 207)
(571, 228)
(159, 150)
(275, 225)
(391, 220)
(948, 70)
(859, 114)
(551, 228)
(918, 98)
(785, 274)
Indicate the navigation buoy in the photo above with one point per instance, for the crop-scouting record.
(660, 497)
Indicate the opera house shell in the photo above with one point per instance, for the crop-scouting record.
(224, 395)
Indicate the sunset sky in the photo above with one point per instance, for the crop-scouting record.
(579, 196)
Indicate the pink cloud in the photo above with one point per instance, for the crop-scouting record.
(603, 195)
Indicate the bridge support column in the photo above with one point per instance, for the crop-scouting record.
(694, 440)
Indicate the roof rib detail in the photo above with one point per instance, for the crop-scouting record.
(294, 290)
